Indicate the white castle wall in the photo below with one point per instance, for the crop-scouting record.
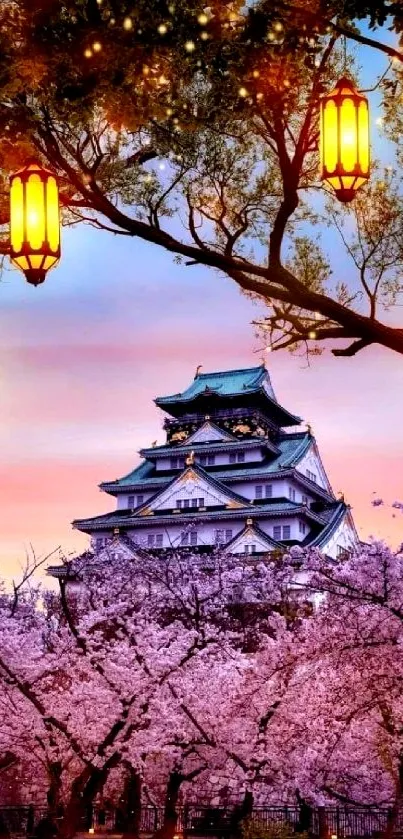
(206, 531)
(311, 463)
(252, 455)
(123, 500)
(343, 538)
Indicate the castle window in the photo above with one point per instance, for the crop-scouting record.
(99, 543)
(179, 503)
(342, 552)
(269, 491)
(207, 459)
(302, 526)
(311, 476)
(140, 500)
(186, 502)
(219, 537)
(155, 540)
(228, 535)
(184, 537)
(181, 462)
(286, 531)
(232, 457)
(259, 491)
(304, 499)
(241, 457)
(250, 549)
(291, 493)
(277, 532)
(201, 502)
(194, 502)
(173, 462)
(130, 501)
(193, 537)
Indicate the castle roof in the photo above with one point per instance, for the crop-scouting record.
(228, 386)
(291, 448)
(125, 518)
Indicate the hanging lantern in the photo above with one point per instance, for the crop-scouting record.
(344, 139)
(34, 221)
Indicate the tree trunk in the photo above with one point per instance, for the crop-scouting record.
(78, 810)
(167, 830)
(53, 795)
(394, 811)
(241, 811)
(132, 804)
(304, 823)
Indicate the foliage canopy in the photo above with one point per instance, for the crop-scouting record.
(196, 128)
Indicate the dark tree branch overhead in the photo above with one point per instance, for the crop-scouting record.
(236, 122)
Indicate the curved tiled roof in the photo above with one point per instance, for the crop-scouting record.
(230, 383)
(291, 449)
(224, 382)
(336, 518)
(125, 518)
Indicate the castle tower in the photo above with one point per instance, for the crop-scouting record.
(236, 470)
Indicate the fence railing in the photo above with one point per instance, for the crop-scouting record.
(202, 821)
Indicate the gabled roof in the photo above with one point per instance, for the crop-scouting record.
(209, 432)
(252, 529)
(189, 474)
(341, 511)
(231, 384)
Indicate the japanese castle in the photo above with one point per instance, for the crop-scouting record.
(236, 470)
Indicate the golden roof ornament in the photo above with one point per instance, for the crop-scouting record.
(249, 522)
(309, 428)
(190, 459)
(198, 368)
(153, 444)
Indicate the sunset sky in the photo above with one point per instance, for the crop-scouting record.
(118, 323)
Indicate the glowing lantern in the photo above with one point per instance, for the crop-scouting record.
(34, 221)
(344, 139)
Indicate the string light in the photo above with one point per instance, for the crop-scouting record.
(88, 53)
(204, 36)
(190, 46)
(97, 46)
(127, 24)
(243, 92)
(162, 29)
(312, 335)
(202, 19)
